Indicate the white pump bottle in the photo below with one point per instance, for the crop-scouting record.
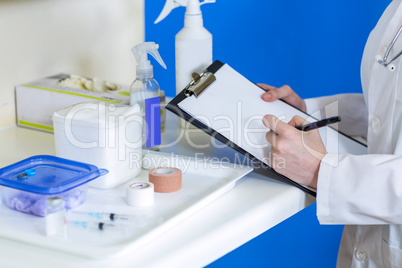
(193, 43)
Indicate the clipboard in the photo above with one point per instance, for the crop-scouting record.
(220, 93)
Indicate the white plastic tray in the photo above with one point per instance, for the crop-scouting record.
(203, 181)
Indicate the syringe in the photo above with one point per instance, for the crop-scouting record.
(105, 216)
(92, 225)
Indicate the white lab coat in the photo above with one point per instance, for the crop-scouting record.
(365, 192)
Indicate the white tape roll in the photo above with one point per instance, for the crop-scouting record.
(140, 194)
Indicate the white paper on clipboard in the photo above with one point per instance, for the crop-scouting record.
(232, 106)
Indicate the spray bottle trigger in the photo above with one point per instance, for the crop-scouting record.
(207, 1)
(168, 7)
(154, 52)
(142, 50)
(172, 4)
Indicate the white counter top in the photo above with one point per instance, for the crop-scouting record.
(253, 206)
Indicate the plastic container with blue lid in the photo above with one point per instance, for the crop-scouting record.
(30, 182)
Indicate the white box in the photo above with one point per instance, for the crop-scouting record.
(37, 101)
(103, 134)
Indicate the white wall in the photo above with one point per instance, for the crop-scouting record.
(45, 37)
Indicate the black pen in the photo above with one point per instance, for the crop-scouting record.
(319, 123)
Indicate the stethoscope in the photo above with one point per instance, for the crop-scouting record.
(384, 61)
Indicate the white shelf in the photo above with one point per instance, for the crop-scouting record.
(254, 205)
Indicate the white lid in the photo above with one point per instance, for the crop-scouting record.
(102, 114)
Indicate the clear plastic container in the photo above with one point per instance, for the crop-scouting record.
(30, 182)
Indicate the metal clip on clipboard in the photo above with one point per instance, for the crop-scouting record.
(199, 83)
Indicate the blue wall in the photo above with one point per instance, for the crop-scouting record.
(313, 46)
(296, 242)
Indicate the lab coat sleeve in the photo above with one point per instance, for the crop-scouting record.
(350, 107)
(360, 189)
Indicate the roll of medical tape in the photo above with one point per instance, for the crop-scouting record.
(140, 194)
(166, 179)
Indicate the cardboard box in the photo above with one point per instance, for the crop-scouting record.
(37, 101)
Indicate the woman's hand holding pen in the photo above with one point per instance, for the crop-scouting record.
(295, 154)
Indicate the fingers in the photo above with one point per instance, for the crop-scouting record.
(271, 136)
(274, 93)
(274, 123)
(284, 93)
(297, 121)
(268, 96)
(265, 86)
(278, 126)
